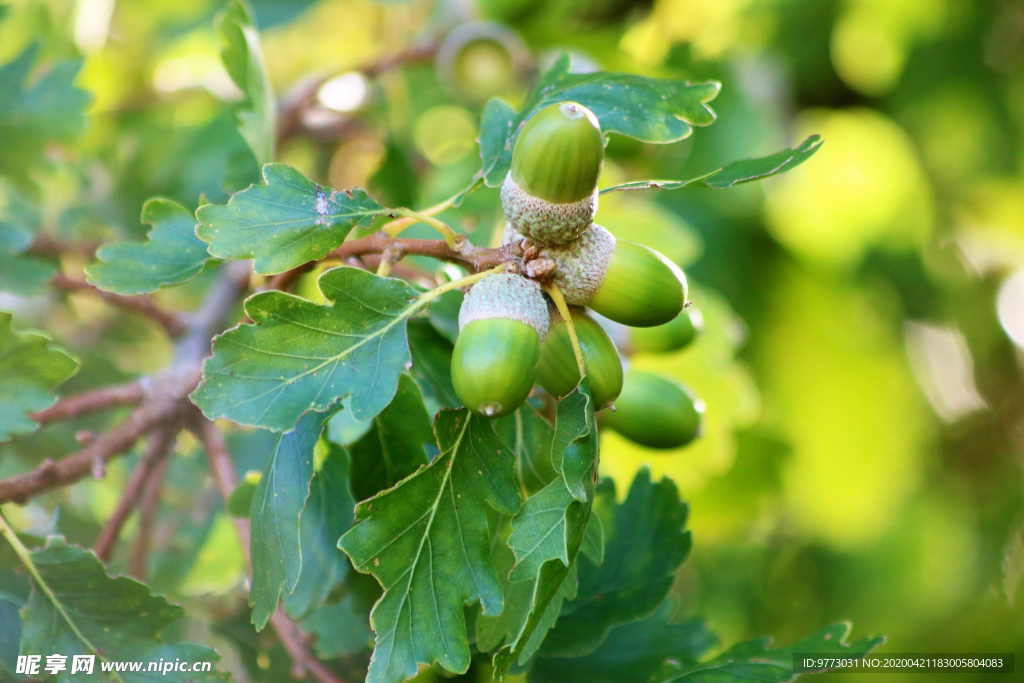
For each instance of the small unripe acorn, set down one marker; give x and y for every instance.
(674, 335)
(656, 412)
(502, 321)
(550, 194)
(557, 371)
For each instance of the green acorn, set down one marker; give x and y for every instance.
(479, 60)
(550, 195)
(502, 321)
(674, 335)
(656, 412)
(557, 371)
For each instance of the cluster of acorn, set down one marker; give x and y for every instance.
(512, 336)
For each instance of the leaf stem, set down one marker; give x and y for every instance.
(395, 227)
(443, 228)
(25, 555)
(563, 310)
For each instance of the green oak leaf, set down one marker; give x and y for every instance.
(395, 445)
(256, 115)
(754, 661)
(172, 254)
(83, 603)
(432, 365)
(20, 221)
(328, 514)
(648, 109)
(300, 356)
(287, 222)
(428, 544)
(34, 114)
(631, 652)
(29, 369)
(642, 556)
(276, 509)
(549, 531)
(341, 629)
(14, 591)
(737, 172)
(530, 437)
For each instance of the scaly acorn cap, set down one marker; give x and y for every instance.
(582, 264)
(656, 412)
(550, 193)
(557, 371)
(504, 295)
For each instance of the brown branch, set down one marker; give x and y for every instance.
(463, 253)
(290, 634)
(54, 247)
(91, 402)
(150, 501)
(171, 323)
(157, 449)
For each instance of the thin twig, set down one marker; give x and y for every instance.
(147, 513)
(171, 323)
(157, 448)
(291, 636)
(91, 402)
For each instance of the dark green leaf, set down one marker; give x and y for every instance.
(575, 443)
(29, 369)
(529, 435)
(631, 652)
(432, 364)
(428, 544)
(20, 220)
(648, 109)
(737, 172)
(340, 629)
(444, 314)
(328, 514)
(276, 507)
(754, 661)
(172, 254)
(14, 590)
(287, 222)
(256, 115)
(648, 545)
(86, 602)
(33, 115)
(300, 357)
(394, 447)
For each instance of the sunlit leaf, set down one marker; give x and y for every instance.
(256, 115)
(428, 544)
(737, 172)
(85, 603)
(755, 661)
(29, 370)
(299, 356)
(287, 222)
(648, 109)
(172, 254)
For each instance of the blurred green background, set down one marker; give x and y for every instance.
(862, 363)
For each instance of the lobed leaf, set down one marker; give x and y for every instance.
(428, 544)
(287, 222)
(755, 661)
(171, 255)
(648, 109)
(737, 172)
(256, 115)
(29, 369)
(299, 356)
(76, 618)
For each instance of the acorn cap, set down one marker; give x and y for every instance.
(582, 264)
(557, 371)
(546, 222)
(559, 154)
(508, 296)
(656, 412)
(494, 365)
(641, 288)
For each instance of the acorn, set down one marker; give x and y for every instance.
(550, 194)
(479, 60)
(502, 322)
(623, 281)
(557, 371)
(656, 412)
(674, 335)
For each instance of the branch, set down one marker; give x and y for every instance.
(91, 402)
(157, 449)
(171, 323)
(223, 469)
(463, 253)
(150, 500)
